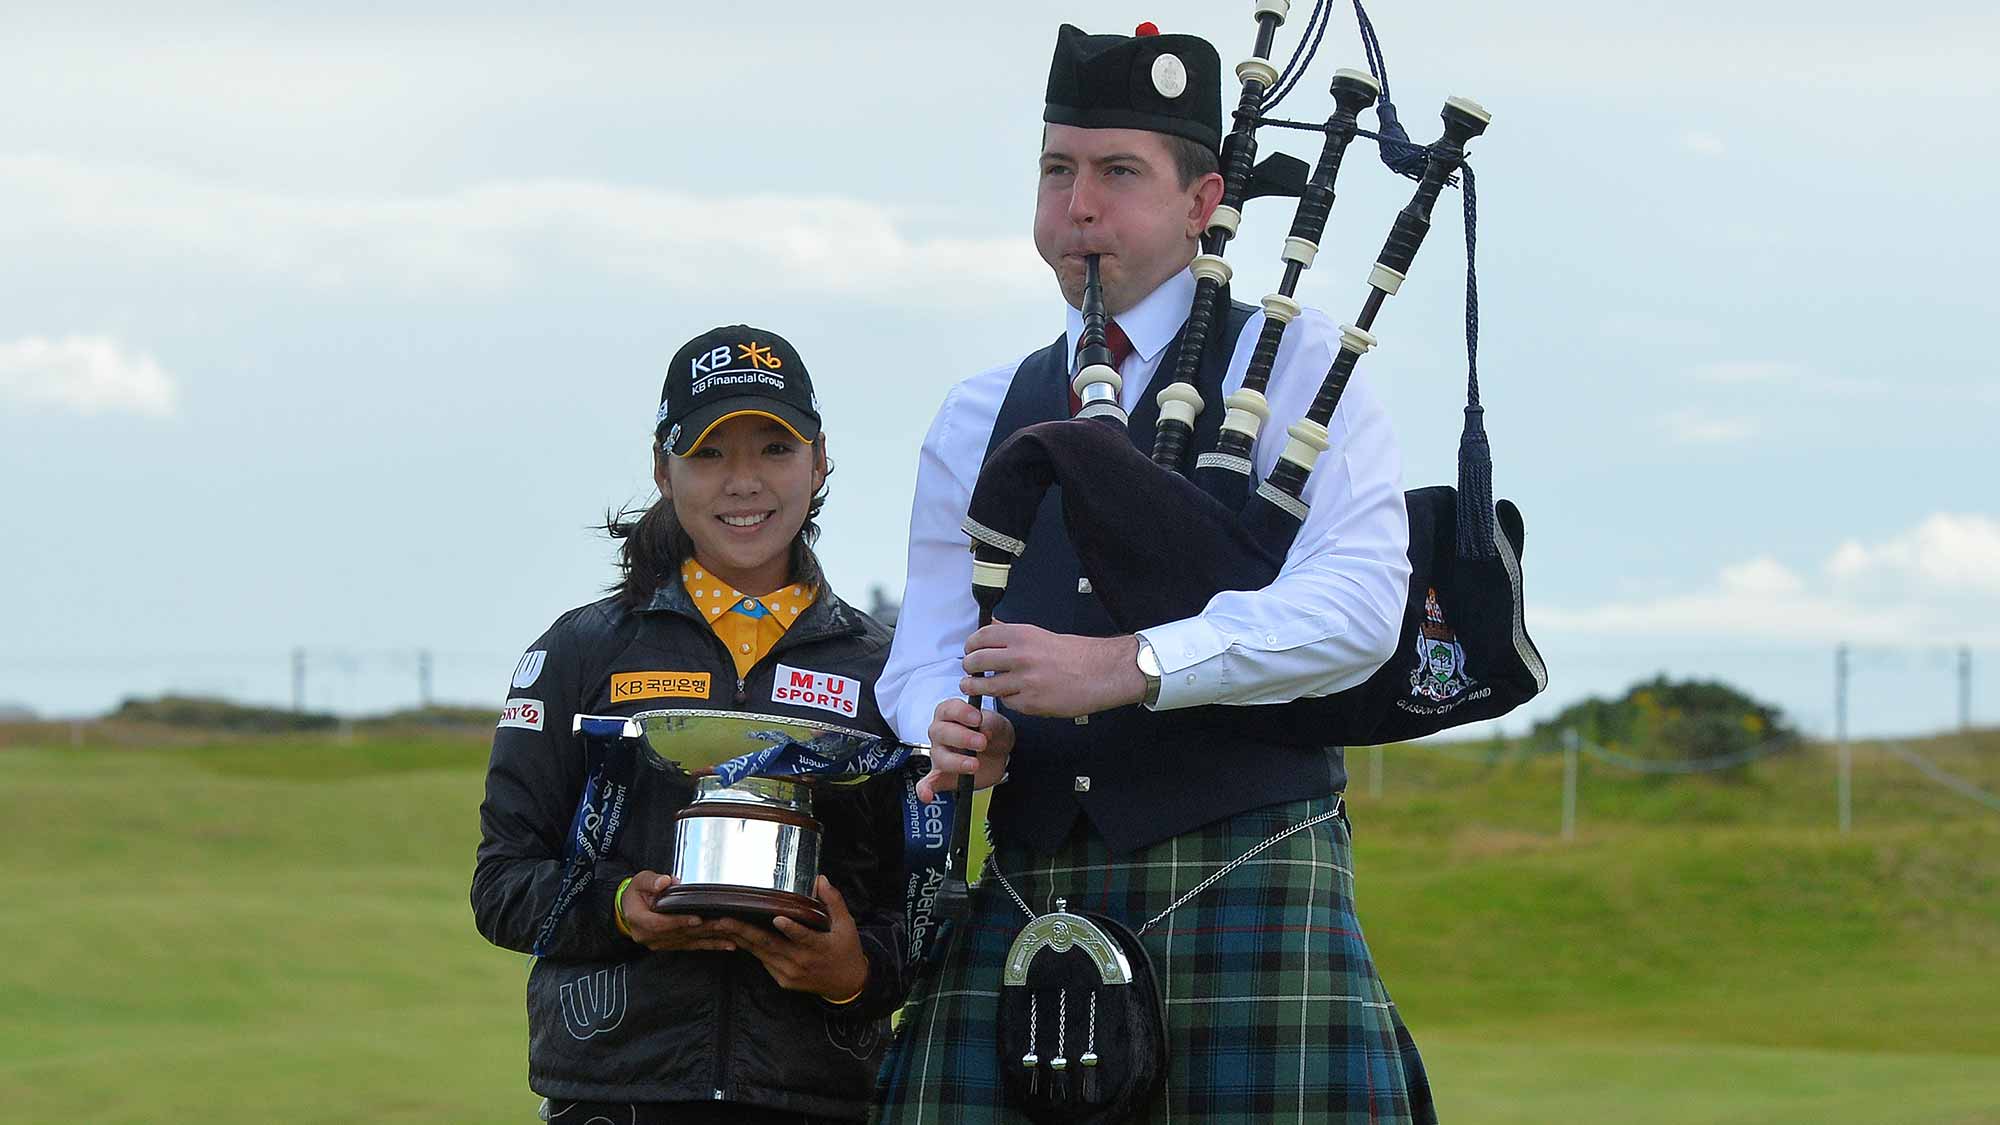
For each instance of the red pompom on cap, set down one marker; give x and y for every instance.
(1147, 28)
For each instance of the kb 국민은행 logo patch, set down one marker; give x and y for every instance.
(627, 687)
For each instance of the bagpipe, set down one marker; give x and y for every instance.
(1157, 544)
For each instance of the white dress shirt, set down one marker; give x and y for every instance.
(1325, 623)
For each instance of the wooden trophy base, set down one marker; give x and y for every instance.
(713, 900)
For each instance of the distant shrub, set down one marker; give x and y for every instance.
(436, 715)
(1685, 720)
(221, 714)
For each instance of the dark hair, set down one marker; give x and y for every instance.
(1192, 159)
(653, 544)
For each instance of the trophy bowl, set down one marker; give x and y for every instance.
(748, 844)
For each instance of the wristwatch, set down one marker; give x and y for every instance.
(1149, 667)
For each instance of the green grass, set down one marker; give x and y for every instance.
(252, 930)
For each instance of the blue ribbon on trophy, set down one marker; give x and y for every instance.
(610, 758)
(829, 754)
(699, 740)
(927, 828)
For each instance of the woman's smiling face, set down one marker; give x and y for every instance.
(742, 496)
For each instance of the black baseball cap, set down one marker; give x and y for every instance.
(728, 372)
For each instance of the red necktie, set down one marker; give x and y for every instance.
(1121, 347)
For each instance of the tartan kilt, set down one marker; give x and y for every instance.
(1274, 1008)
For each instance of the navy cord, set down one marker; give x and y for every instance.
(1471, 291)
(1402, 157)
(1308, 46)
(1475, 453)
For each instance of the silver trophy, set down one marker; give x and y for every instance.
(748, 845)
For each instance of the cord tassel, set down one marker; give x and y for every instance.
(1089, 1059)
(1059, 1066)
(1030, 1060)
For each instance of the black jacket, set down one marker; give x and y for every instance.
(609, 1020)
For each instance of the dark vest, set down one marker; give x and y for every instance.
(1138, 776)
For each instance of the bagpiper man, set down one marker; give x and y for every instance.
(1133, 791)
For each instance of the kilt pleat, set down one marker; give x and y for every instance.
(1275, 1011)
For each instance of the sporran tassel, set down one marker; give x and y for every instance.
(1030, 1060)
(1089, 1059)
(1059, 1066)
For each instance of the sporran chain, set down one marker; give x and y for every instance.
(1339, 806)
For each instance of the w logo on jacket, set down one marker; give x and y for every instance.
(594, 1002)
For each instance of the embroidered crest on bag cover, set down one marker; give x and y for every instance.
(1440, 675)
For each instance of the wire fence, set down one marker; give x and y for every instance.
(1575, 750)
(1937, 775)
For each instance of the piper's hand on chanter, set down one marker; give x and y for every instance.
(665, 932)
(800, 958)
(966, 739)
(1056, 674)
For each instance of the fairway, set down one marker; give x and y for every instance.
(278, 930)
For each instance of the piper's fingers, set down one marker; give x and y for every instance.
(996, 635)
(950, 738)
(1003, 685)
(927, 785)
(979, 661)
(955, 713)
(953, 762)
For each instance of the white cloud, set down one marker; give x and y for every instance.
(1692, 427)
(1702, 144)
(1761, 577)
(86, 374)
(1937, 580)
(1947, 553)
(495, 235)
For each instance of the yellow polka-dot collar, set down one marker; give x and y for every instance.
(713, 597)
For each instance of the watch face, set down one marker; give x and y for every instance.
(1149, 661)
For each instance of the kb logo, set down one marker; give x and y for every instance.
(594, 1002)
(715, 360)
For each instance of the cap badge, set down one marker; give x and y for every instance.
(759, 355)
(1170, 76)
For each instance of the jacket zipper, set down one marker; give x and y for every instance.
(784, 644)
(724, 1033)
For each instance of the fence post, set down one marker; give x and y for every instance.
(1570, 742)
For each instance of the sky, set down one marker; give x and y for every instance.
(338, 330)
